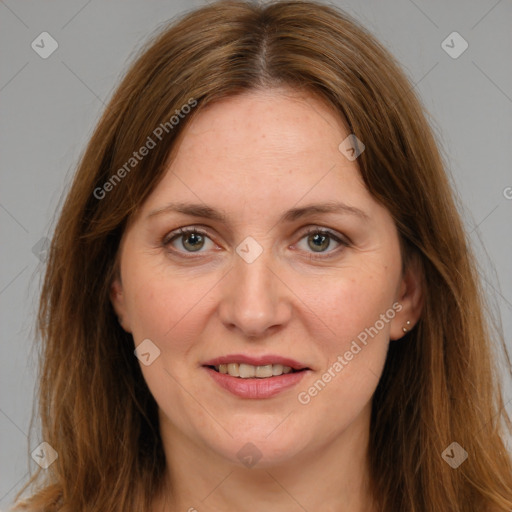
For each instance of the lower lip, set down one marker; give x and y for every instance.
(255, 387)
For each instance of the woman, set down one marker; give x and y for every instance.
(259, 294)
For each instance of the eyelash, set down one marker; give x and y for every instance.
(169, 238)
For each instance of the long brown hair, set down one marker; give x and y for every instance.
(439, 383)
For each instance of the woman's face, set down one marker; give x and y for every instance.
(266, 279)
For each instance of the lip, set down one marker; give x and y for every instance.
(255, 388)
(256, 361)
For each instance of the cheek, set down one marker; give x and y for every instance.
(170, 311)
(358, 312)
(347, 307)
(161, 305)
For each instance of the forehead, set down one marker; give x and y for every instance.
(265, 127)
(262, 149)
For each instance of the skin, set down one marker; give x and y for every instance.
(254, 156)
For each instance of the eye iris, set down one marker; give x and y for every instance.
(318, 238)
(194, 238)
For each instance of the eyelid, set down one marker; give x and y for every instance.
(320, 229)
(183, 231)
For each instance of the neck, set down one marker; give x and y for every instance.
(333, 477)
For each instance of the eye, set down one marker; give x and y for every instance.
(192, 239)
(319, 240)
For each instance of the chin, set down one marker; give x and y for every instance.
(261, 451)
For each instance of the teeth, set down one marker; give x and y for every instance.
(233, 370)
(248, 371)
(277, 369)
(264, 371)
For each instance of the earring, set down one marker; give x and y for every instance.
(405, 328)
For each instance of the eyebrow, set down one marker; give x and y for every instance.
(204, 211)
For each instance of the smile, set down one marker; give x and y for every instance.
(255, 377)
(248, 371)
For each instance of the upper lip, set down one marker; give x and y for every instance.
(256, 361)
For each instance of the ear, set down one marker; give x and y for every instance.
(118, 302)
(410, 297)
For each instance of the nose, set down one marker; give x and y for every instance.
(255, 299)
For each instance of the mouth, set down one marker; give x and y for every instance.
(244, 366)
(249, 371)
(255, 377)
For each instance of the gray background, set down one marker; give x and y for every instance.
(50, 106)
